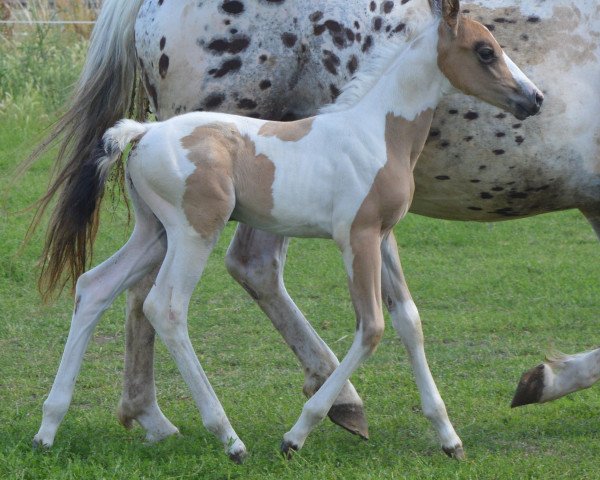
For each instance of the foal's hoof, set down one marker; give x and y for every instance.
(456, 452)
(350, 417)
(288, 449)
(238, 456)
(39, 444)
(530, 387)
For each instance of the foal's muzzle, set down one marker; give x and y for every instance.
(530, 106)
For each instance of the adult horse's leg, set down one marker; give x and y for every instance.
(561, 374)
(138, 400)
(256, 260)
(406, 321)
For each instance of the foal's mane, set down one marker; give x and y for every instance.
(384, 55)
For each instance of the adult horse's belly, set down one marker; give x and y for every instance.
(482, 164)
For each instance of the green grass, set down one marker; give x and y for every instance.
(493, 299)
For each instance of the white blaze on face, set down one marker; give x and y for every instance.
(521, 79)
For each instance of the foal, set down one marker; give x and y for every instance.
(345, 175)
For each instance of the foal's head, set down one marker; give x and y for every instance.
(473, 61)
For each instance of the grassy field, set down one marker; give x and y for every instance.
(493, 299)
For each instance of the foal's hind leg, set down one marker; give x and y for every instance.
(167, 306)
(256, 260)
(407, 323)
(95, 292)
(138, 399)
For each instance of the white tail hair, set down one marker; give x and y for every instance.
(116, 139)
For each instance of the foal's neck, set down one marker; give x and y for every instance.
(411, 85)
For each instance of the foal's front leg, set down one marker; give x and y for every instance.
(406, 321)
(256, 260)
(362, 258)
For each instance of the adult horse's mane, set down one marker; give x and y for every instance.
(384, 55)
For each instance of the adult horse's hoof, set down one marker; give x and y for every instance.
(456, 452)
(350, 417)
(288, 449)
(530, 387)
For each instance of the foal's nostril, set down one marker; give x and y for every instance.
(539, 99)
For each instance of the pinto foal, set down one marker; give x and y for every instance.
(345, 175)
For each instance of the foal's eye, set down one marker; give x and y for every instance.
(486, 54)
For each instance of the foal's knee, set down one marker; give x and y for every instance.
(372, 332)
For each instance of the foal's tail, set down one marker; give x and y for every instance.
(103, 95)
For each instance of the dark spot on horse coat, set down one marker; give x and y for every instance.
(498, 151)
(349, 35)
(247, 104)
(452, 111)
(160, 2)
(491, 27)
(262, 58)
(519, 139)
(335, 91)
(387, 6)
(506, 211)
(220, 46)
(524, 37)
(372, 6)
(468, 138)
(497, 189)
(475, 208)
(333, 26)
(434, 132)
(318, 29)
(330, 61)
(356, 25)
(288, 39)
(475, 181)
(352, 64)
(444, 144)
(500, 115)
(471, 115)
(442, 177)
(233, 7)
(482, 167)
(517, 125)
(163, 42)
(163, 65)
(315, 16)
(399, 28)
(533, 19)
(512, 194)
(264, 84)
(368, 43)
(231, 65)
(486, 195)
(500, 134)
(377, 22)
(213, 100)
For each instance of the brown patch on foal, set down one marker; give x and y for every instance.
(386, 203)
(287, 131)
(228, 172)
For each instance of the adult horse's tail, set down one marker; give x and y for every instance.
(104, 94)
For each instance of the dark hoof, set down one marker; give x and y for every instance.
(288, 449)
(530, 388)
(351, 418)
(238, 457)
(40, 446)
(455, 452)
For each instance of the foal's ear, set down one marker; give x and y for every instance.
(450, 10)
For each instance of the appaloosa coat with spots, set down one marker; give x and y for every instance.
(345, 174)
(283, 59)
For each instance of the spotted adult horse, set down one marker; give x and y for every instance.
(217, 57)
(189, 175)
